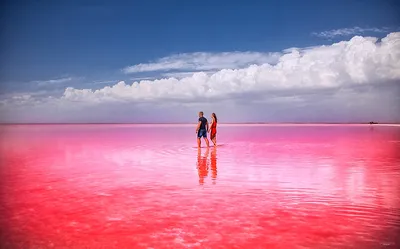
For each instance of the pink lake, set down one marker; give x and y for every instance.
(147, 186)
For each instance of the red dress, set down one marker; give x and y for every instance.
(213, 130)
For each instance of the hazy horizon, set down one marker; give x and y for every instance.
(220, 123)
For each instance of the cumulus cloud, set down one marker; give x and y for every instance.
(349, 32)
(204, 61)
(351, 80)
(361, 60)
(180, 75)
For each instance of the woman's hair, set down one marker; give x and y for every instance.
(215, 117)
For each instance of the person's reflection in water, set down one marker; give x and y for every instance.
(214, 165)
(202, 165)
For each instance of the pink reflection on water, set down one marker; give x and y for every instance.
(124, 186)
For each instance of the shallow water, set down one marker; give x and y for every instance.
(131, 186)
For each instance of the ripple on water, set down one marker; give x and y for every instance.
(118, 188)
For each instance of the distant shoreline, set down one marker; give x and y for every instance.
(221, 124)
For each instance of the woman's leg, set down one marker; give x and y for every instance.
(214, 139)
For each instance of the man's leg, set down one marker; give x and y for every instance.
(206, 139)
(198, 142)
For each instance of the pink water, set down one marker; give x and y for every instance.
(127, 186)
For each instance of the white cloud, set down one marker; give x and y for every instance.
(141, 78)
(361, 60)
(303, 85)
(349, 32)
(53, 81)
(204, 61)
(103, 82)
(180, 75)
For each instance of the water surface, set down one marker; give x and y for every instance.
(132, 186)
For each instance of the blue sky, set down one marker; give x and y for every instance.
(48, 46)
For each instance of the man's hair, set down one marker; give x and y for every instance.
(201, 113)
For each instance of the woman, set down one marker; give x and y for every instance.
(213, 129)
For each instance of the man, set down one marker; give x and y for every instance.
(201, 130)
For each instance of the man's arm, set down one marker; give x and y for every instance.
(207, 126)
(198, 126)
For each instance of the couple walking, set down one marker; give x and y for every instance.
(203, 128)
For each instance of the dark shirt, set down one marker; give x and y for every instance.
(203, 121)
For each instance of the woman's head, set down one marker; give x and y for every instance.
(214, 116)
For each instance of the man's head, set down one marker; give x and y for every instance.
(201, 114)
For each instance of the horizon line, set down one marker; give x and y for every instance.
(181, 123)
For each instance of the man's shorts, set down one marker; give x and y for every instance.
(202, 133)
